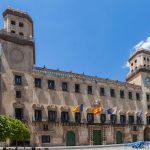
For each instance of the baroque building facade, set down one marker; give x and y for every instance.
(43, 98)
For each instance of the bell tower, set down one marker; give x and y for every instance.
(17, 40)
(139, 68)
(140, 75)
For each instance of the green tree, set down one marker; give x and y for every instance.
(13, 129)
(5, 128)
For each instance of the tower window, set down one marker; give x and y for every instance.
(137, 96)
(112, 92)
(37, 82)
(77, 88)
(64, 86)
(130, 95)
(18, 80)
(21, 24)
(51, 84)
(20, 33)
(89, 89)
(102, 91)
(13, 22)
(121, 94)
(18, 94)
(148, 97)
(12, 31)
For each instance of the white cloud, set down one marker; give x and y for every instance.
(143, 44)
(126, 65)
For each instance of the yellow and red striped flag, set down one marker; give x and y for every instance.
(97, 110)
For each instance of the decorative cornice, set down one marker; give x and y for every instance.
(139, 52)
(17, 13)
(96, 80)
(130, 76)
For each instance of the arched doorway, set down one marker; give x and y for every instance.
(70, 137)
(147, 134)
(119, 137)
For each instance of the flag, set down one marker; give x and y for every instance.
(111, 111)
(97, 110)
(78, 108)
(139, 114)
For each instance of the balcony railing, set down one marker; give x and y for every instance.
(5, 33)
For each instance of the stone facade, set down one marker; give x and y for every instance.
(38, 96)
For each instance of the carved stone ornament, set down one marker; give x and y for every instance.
(18, 105)
(65, 108)
(37, 106)
(52, 107)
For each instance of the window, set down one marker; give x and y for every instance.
(130, 95)
(122, 119)
(121, 94)
(19, 113)
(148, 107)
(37, 82)
(18, 94)
(132, 64)
(148, 97)
(77, 117)
(131, 119)
(77, 88)
(148, 119)
(45, 139)
(64, 117)
(147, 59)
(112, 92)
(102, 91)
(20, 33)
(90, 118)
(89, 90)
(18, 80)
(139, 120)
(113, 119)
(51, 116)
(12, 31)
(137, 96)
(38, 115)
(13, 22)
(144, 65)
(45, 127)
(51, 84)
(21, 24)
(135, 61)
(144, 58)
(64, 86)
(134, 128)
(103, 118)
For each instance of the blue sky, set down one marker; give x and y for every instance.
(91, 36)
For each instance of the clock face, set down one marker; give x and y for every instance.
(147, 81)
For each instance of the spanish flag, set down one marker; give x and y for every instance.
(97, 110)
(78, 108)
